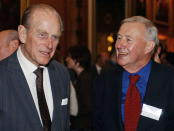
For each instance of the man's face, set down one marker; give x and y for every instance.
(41, 38)
(131, 45)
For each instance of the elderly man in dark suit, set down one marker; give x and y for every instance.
(140, 96)
(34, 90)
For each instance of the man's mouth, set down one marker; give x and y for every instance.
(45, 53)
(122, 53)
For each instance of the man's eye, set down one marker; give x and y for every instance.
(118, 37)
(129, 40)
(55, 38)
(43, 35)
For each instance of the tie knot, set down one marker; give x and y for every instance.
(39, 71)
(134, 78)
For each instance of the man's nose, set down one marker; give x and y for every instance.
(50, 43)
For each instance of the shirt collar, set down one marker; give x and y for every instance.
(143, 72)
(25, 63)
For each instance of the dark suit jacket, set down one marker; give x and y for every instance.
(17, 108)
(94, 72)
(160, 94)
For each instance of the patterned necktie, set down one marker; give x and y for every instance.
(44, 112)
(132, 105)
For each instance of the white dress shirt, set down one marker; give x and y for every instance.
(28, 68)
(98, 69)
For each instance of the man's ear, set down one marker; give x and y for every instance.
(22, 33)
(150, 45)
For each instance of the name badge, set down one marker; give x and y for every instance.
(151, 112)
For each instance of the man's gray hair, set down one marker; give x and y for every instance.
(151, 30)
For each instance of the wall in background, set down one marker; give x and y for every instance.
(9, 14)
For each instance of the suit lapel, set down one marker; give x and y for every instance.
(119, 85)
(150, 98)
(116, 97)
(21, 89)
(56, 93)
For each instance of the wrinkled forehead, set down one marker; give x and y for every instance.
(132, 28)
(40, 19)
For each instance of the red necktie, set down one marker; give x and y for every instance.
(132, 105)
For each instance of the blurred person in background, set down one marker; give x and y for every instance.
(162, 56)
(101, 60)
(9, 42)
(79, 59)
(112, 62)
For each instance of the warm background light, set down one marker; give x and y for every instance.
(110, 39)
(109, 48)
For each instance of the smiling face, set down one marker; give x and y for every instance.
(41, 38)
(132, 48)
